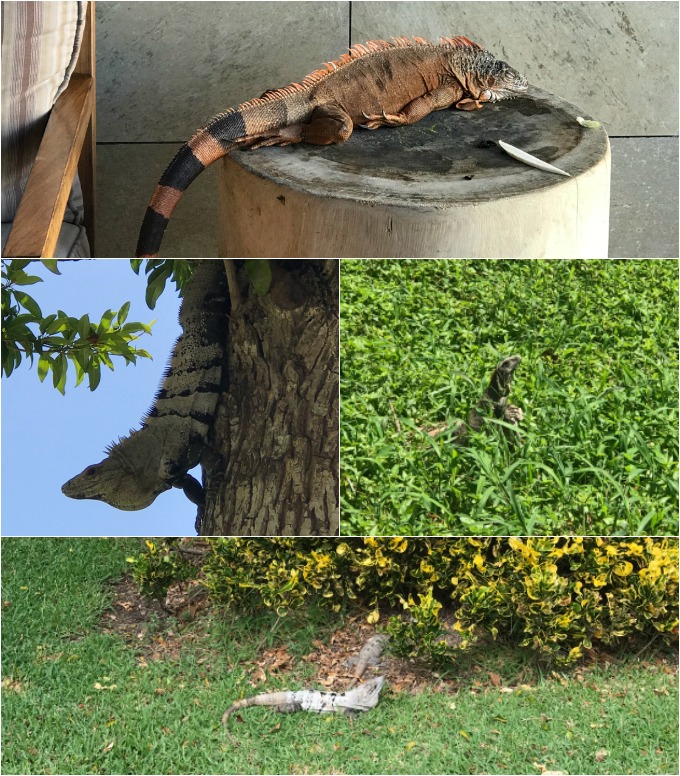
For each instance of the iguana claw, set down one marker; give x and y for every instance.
(377, 120)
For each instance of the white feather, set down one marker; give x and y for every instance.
(532, 161)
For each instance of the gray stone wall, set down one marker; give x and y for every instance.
(612, 59)
(165, 68)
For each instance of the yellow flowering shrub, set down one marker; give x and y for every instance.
(555, 596)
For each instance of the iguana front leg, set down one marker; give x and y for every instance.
(328, 124)
(417, 109)
(192, 488)
(513, 414)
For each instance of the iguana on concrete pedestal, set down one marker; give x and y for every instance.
(374, 85)
(361, 698)
(174, 432)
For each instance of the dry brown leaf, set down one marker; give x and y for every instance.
(11, 684)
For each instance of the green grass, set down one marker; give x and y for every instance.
(598, 384)
(163, 715)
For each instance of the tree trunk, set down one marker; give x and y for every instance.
(274, 464)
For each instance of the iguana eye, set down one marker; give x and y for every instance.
(90, 470)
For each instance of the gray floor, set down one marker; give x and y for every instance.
(643, 222)
(644, 197)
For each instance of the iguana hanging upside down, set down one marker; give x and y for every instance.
(174, 433)
(373, 85)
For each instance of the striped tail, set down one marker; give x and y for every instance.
(224, 133)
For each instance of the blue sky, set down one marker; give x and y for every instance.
(48, 438)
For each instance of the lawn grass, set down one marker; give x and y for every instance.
(597, 451)
(76, 700)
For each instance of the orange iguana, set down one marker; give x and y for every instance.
(373, 85)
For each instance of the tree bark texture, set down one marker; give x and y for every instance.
(273, 467)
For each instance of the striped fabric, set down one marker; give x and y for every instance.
(40, 44)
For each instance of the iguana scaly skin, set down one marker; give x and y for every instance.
(369, 655)
(374, 85)
(174, 433)
(361, 698)
(494, 401)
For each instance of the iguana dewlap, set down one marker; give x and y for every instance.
(373, 85)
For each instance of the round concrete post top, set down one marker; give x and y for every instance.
(448, 158)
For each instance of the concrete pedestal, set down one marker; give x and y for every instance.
(439, 188)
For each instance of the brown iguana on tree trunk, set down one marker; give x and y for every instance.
(361, 698)
(174, 433)
(251, 393)
(373, 85)
(494, 402)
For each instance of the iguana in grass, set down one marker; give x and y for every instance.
(361, 698)
(373, 85)
(174, 433)
(494, 402)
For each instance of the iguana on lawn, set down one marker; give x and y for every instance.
(494, 401)
(174, 432)
(373, 85)
(361, 698)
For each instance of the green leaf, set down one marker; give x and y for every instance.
(51, 265)
(260, 273)
(81, 356)
(43, 367)
(46, 322)
(10, 360)
(80, 372)
(53, 324)
(94, 375)
(122, 314)
(83, 326)
(22, 279)
(156, 285)
(59, 372)
(16, 265)
(29, 303)
(105, 323)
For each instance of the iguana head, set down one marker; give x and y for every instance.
(364, 696)
(502, 82)
(108, 482)
(128, 478)
(488, 79)
(504, 372)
